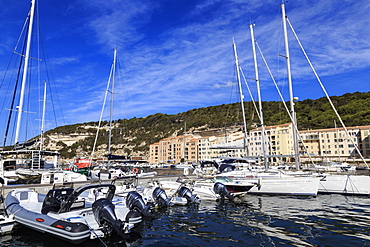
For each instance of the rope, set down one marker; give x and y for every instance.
(92, 230)
(326, 94)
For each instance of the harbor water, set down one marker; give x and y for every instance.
(325, 220)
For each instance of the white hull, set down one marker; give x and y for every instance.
(345, 184)
(147, 174)
(300, 186)
(6, 224)
(276, 182)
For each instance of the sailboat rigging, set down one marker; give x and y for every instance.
(246, 149)
(26, 158)
(265, 161)
(109, 90)
(290, 84)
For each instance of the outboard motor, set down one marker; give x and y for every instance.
(220, 188)
(160, 197)
(186, 193)
(134, 201)
(105, 216)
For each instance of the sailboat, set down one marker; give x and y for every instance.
(344, 184)
(329, 183)
(269, 182)
(116, 166)
(26, 159)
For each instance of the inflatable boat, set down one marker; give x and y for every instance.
(75, 215)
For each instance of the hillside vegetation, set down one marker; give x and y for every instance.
(133, 136)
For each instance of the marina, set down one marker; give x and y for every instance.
(224, 175)
(325, 220)
(254, 219)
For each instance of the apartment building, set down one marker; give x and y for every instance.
(172, 149)
(365, 140)
(191, 150)
(204, 147)
(278, 140)
(335, 143)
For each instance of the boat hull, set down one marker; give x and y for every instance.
(345, 184)
(6, 224)
(73, 232)
(300, 186)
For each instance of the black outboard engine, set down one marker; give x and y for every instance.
(220, 188)
(134, 201)
(160, 197)
(186, 193)
(105, 216)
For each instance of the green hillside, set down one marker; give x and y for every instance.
(138, 133)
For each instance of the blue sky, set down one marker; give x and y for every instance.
(176, 55)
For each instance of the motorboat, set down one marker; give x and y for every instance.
(76, 215)
(6, 224)
(149, 174)
(114, 171)
(107, 173)
(6, 221)
(168, 196)
(50, 176)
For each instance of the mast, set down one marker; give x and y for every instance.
(43, 117)
(337, 132)
(259, 98)
(289, 75)
(111, 73)
(185, 141)
(25, 68)
(112, 100)
(241, 99)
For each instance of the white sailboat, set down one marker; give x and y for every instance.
(117, 166)
(275, 183)
(9, 165)
(329, 183)
(28, 159)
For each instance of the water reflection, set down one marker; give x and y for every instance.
(330, 220)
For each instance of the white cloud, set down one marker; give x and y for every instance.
(188, 62)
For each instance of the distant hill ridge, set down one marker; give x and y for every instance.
(132, 137)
